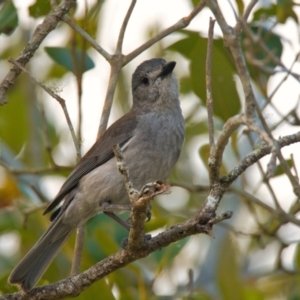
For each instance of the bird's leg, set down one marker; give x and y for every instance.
(118, 220)
(108, 209)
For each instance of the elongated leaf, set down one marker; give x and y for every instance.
(64, 57)
(280, 171)
(39, 8)
(225, 96)
(228, 278)
(8, 18)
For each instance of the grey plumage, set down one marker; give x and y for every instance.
(150, 135)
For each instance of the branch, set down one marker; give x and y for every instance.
(60, 100)
(123, 28)
(215, 159)
(259, 41)
(112, 83)
(257, 154)
(232, 41)
(213, 174)
(249, 9)
(182, 23)
(73, 286)
(87, 37)
(35, 171)
(276, 213)
(50, 22)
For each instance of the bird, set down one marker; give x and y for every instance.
(150, 136)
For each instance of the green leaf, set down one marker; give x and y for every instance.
(240, 6)
(226, 102)
(271, 40)
(285, 10)
(280, 171)
(252, 293)
(265, 11)
(93, 291)
(282, 11)
(185, 85)
(195, 2)
(8, 18)
(65, 57)
(186, 45)
(274, 45)
(228, 277)
(39, 8)
(225, 96)
(166, 255)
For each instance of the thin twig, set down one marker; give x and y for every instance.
(229, 127)
(47, 137)
(294, 166)
(260, 42)
(261, 151)
(191, 187)
(78, 73)
(276, 150)
(283, 79)
(40, 195)
(265, 177)
(113, 78)
(32, 210)
(87, 37)
(280, 214)
(16, 171)
(232, 41)
(60, 100)
(213, 168)
(182, 23)
(248, 9)
(79, 243)
(123, 28)
(209, 100)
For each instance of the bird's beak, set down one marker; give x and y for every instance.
(167, 69)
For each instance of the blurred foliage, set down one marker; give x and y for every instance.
(220, 267)
(193, 47)
(39, 9)
(74, 61)
(8, 17)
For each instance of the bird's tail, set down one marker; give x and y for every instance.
(34, 264)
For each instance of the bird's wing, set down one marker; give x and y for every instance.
(118, 133)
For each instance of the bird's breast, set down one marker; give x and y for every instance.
(153, 151)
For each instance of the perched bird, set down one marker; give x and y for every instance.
(150, 136)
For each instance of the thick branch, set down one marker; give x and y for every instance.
(73, 286)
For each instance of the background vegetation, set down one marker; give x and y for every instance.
(255, 254)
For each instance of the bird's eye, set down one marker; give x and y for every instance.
(145, 80)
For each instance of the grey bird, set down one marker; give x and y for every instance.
(150, 135)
